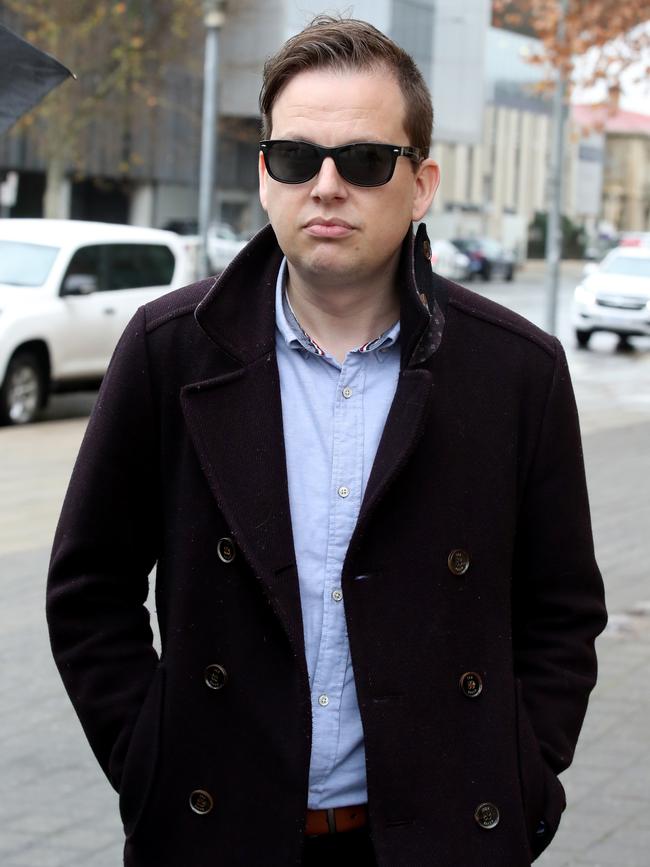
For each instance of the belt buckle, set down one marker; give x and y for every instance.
(331, 820)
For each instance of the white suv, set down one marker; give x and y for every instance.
(614, 296)
(67, 290)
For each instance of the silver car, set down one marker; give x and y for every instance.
(614, 296)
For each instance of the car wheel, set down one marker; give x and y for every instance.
(487, 273)
(510, 274)
(582, 338)
(22, 392)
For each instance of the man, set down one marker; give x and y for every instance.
(363, 489)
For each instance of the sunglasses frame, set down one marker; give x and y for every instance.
(395, 150)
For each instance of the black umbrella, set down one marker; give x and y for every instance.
(26, 76)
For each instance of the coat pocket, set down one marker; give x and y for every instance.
(141, 758)
(541, 791)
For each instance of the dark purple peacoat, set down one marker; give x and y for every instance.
(471, 594)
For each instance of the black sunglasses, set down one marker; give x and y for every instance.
(367, 164)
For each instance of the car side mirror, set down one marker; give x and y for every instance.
(589, 269)
(79, 284)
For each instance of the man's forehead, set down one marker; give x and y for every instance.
(359, 99)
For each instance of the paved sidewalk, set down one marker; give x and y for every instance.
(56, 808)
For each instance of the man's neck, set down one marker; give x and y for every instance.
(341, 318)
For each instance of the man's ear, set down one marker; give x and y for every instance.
(263, 179)
(427, 178)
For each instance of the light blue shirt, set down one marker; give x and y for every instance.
(333, 418)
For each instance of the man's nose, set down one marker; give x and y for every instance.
(329, 183)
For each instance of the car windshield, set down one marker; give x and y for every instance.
(24, 264)
(630, 266)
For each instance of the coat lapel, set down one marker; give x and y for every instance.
(235, 423)
(402, 432)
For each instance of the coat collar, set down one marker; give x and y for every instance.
(238, 312)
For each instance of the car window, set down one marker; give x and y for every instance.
(24, 264)
(628, 265)
(88, 261)
(131, 266)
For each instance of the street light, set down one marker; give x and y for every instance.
(213, 18)
(554, 218)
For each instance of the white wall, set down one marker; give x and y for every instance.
(460, 31)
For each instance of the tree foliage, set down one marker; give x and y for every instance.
(118, 50)
(614, 36)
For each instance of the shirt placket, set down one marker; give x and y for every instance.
(345, 502)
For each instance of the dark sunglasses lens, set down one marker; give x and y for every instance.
(292, 162)
(367, 165)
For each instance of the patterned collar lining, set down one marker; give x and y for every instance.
(301, 338)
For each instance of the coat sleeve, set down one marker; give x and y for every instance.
(104, 549)
(558, 596)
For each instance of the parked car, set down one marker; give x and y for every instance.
(488, 258)
(614, 296)
(223, 245)
(67, 290)
(448, 261)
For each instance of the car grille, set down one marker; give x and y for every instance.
(622, 302)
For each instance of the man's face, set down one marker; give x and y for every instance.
(336, 108)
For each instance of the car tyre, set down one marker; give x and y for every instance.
(582, 338)
(510, 274)
(23, 390)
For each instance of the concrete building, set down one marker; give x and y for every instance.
(626, 184)
(496, 186)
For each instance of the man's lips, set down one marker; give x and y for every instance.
(319, 227)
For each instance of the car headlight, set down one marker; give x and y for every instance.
(583, 294)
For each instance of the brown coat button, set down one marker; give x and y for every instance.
(458, 561)
(201, 801)
(226, 550)
(487, 816)
(215, 676)
(471, 684)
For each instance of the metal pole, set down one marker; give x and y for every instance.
(213, 19)
(553, 223)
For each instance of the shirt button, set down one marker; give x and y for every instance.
(347, 391)
(344, 492)
(323, 700)
(337, 595)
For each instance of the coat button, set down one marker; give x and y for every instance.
(226, 550)
(471, 684)
(201, 801)
(458, 561)
(215, 676)
(487, 816)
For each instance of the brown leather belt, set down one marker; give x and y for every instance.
(336, 819)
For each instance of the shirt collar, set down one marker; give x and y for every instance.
(296, 337)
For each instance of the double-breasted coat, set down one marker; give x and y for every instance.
(472, 598)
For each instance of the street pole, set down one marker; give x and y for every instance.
(213, 19)
(553, 222)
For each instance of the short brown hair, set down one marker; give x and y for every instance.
(349, 44)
